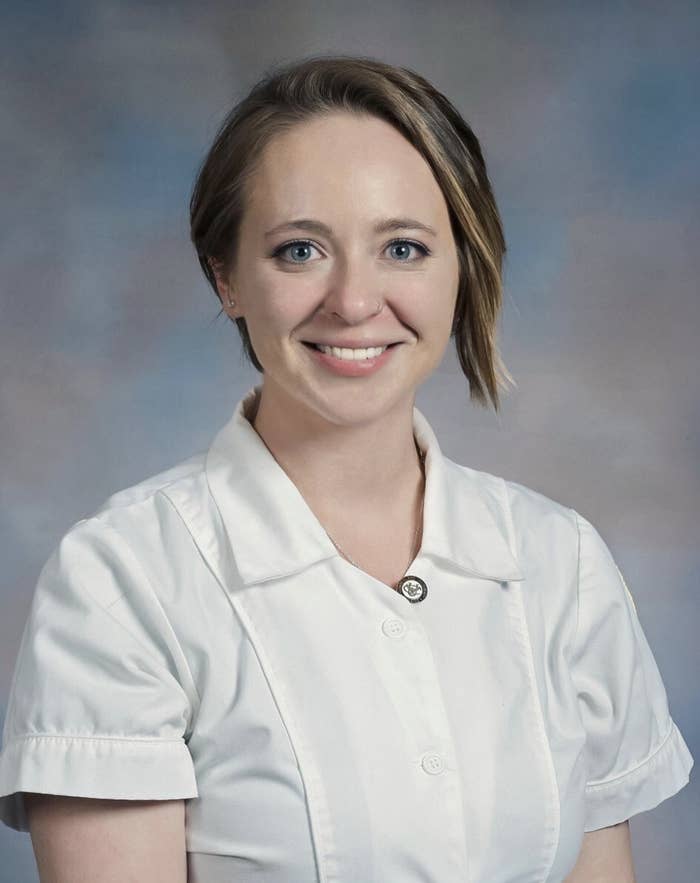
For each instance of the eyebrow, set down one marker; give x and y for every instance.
(385, 225)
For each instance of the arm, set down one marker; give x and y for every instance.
(107, 841)
(605, 857)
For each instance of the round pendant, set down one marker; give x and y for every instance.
(412, 588)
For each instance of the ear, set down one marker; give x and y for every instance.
(223, 284)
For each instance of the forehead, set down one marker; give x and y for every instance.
(344, 161)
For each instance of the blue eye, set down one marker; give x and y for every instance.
(407, 242)
(306, 244)
(298, 243)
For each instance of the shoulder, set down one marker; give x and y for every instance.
(528, 508)
(181, 475)
(142, 527)
(156, 495)
(546, 531)
(541, 528)
(533, 509)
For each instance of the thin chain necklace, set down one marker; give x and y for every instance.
(421, 457)
(410, 593)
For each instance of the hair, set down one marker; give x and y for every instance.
(319, 85)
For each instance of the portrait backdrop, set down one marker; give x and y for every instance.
(115, 361)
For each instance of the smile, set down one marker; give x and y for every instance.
(351, 363)
(349, 353)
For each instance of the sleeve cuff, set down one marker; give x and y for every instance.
(101, 767)
(659, 777)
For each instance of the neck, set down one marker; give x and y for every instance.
(373, 467)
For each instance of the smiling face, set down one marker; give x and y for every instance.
(349, 174)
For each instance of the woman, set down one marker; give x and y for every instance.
(322, 650)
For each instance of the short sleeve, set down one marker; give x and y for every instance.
(96, 705)
(635, 754)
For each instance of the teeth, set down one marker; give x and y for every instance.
(350, 354)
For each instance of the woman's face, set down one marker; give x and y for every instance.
(350, 174)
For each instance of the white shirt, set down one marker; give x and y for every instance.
(200, 637)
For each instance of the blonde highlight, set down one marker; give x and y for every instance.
(317, 85)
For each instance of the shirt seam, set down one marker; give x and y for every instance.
(144, 576)
(633, 769)
(510, 524)
(578, 575)
(78, 737)
(102, 509)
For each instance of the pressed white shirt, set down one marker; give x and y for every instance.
(199, 636)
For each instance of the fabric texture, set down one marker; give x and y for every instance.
(97, 701)
(200, 637)
(622, 699)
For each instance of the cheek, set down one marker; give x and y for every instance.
(447, 288)
(426, 297)
(281, 304)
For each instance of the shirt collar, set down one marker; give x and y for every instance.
(274, 533)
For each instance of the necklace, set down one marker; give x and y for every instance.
(412, 587)
(398, 587)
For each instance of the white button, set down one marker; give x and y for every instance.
(393, 628)
(433, 764)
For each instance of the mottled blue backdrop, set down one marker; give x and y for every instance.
(114, 366)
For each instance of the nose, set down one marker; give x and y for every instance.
(353, 291)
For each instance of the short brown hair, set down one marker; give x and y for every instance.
(316, 85)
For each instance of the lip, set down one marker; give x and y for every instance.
(354, 367)
(353, 344)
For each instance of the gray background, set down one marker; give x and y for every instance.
(113, 365)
